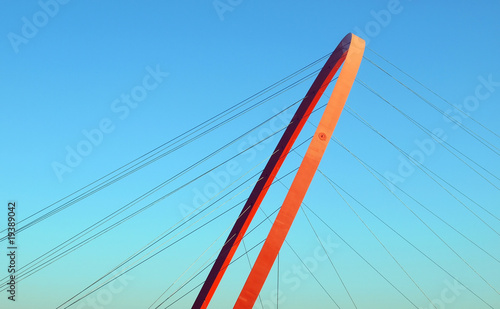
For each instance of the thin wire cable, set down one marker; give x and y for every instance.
(127, 206)
(359, 254)
(288, 244)
(406, 206)
(195, 261)
(233, 261)
(418, 203)
(250, 264)
(158, 252)
(379, 241)
(429, 228)
(330, 259)
(304, 264)
(437, 139)
(210, 259)
(311, 113)
(115, 213)
(323, 247)
(36, 268)
(383, 246)
(424, 169)
(172, 229)
(157, 239)
(436, 94)
(213, 261)
(474, 135)
(349, 110)
(324, 289)
(211, 245)
(299, 100)
(404, 238)
(215, 242)
(165, 248)
(183, 135)
(152, 158)
(168, 181)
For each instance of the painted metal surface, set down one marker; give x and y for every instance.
(349, 52)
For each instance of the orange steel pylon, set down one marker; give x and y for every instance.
(349, 52)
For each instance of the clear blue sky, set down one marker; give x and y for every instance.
(87, 87)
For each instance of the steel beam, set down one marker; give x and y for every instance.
(349, 52)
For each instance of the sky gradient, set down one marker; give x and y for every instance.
(89, 87)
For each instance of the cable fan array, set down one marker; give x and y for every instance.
(337, 287)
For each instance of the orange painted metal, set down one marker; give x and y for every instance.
(349, 53)
(303, 178)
